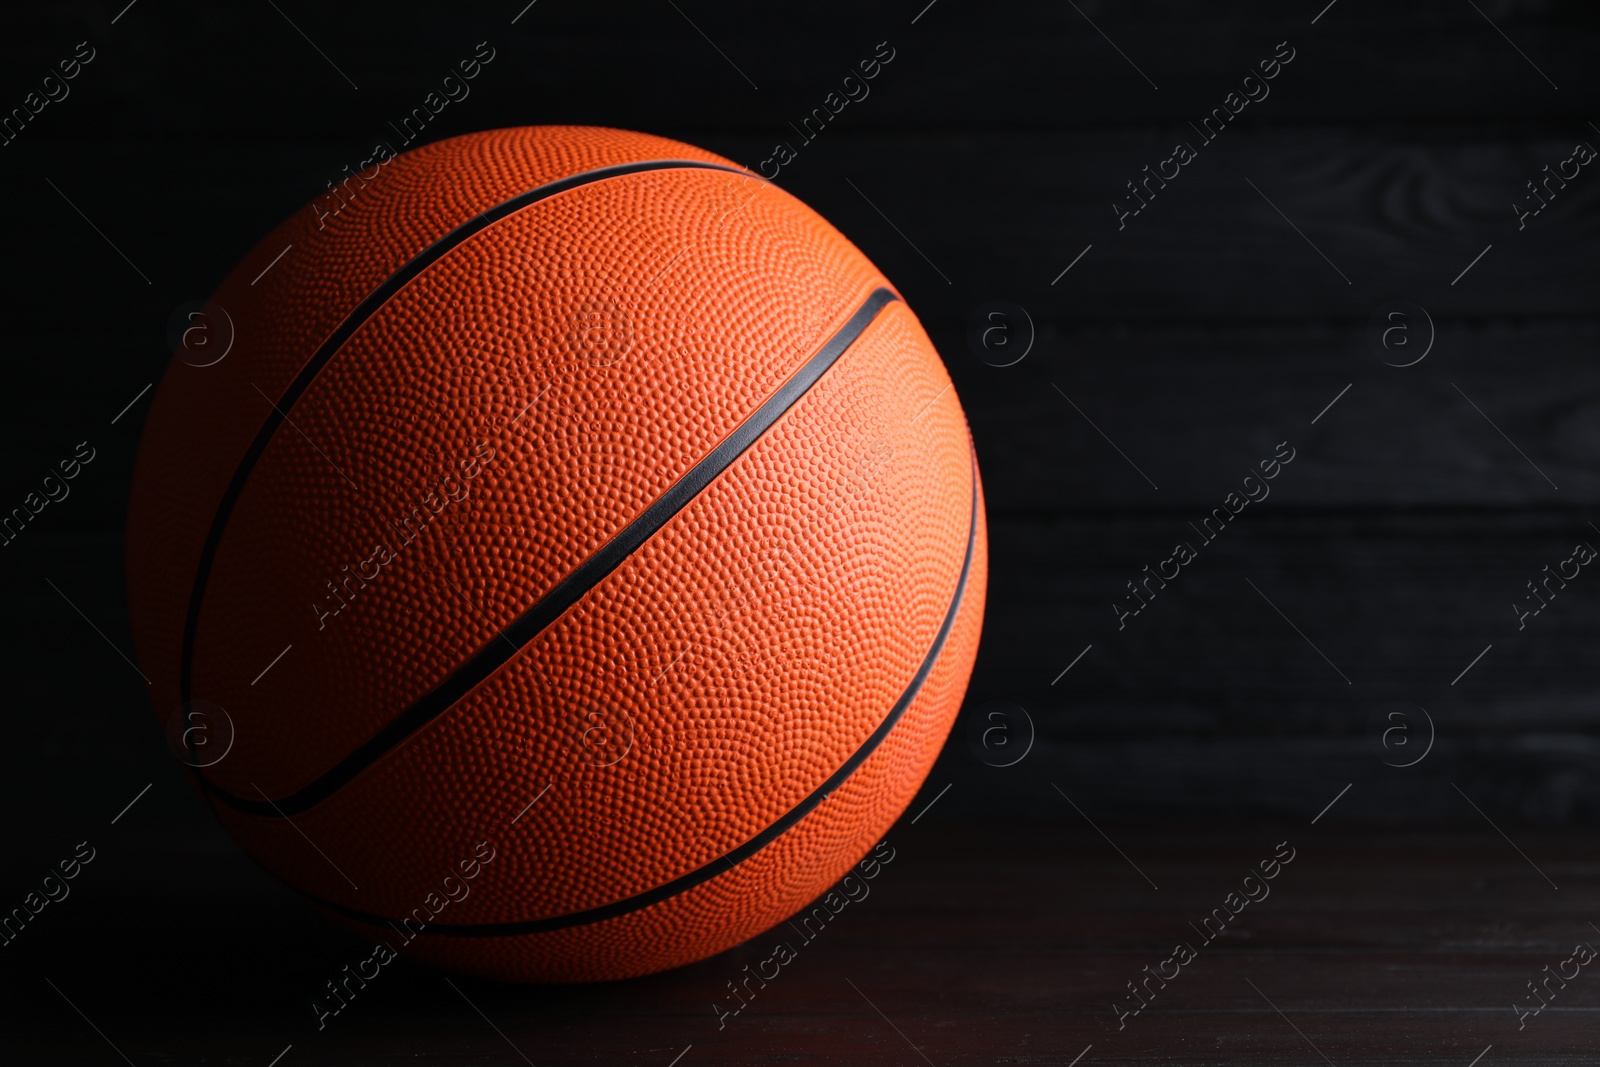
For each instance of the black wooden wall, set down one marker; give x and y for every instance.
(1308, 647)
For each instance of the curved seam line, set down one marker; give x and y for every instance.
(586, 576)
(732, 859)
(358, 317)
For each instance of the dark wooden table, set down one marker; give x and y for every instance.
(1006, 941)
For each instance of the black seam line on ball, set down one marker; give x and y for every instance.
(567, 592)
(353, 322)
(750, 847)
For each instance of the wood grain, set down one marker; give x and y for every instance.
(1001, 943)
(957, 66)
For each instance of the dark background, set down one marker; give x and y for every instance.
(1248, 695)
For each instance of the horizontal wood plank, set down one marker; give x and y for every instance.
(722, 66)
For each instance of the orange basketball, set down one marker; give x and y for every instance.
(562, 552)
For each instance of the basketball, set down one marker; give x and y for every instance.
(557, 554)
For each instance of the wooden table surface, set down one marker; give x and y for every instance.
(980, 942)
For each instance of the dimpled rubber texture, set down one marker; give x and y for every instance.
(485, 431)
